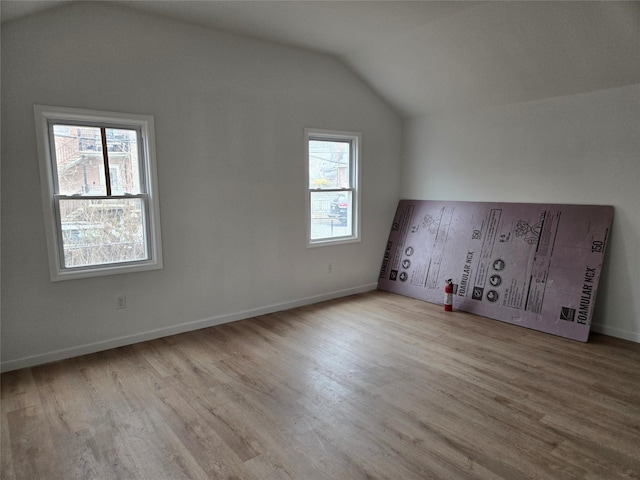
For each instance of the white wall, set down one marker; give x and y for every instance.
(229, 115)
(582, 149)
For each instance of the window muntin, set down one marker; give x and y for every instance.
(332, 175)
(99, 192)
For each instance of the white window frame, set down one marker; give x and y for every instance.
(355, 140)
(144, 124)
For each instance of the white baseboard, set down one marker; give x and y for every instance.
(616, 332)
(71, 352)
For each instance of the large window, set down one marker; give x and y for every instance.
(99, 192)
(333, 195)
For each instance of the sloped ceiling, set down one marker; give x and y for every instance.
(425, 57)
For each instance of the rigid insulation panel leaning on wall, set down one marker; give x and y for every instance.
(534, 265)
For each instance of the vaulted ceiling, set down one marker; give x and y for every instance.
(428, 56)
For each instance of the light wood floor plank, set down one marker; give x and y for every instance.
(373, 386)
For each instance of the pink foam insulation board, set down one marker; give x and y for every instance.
(533, 265)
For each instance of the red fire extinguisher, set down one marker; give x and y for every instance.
(448, 296)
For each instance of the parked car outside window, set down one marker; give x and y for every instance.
(338, 208)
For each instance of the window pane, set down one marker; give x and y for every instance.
(102, 231)
(331, 214)
(329, 164)
(79, 161)
(122, 148)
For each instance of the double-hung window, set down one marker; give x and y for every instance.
(333, 196)
(99, 192)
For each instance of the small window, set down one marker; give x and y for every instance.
(333, 195)
(98, 177)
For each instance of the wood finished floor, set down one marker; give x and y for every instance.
(370, 386)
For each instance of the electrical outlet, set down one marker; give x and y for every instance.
(330, 268)
(121, 301)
